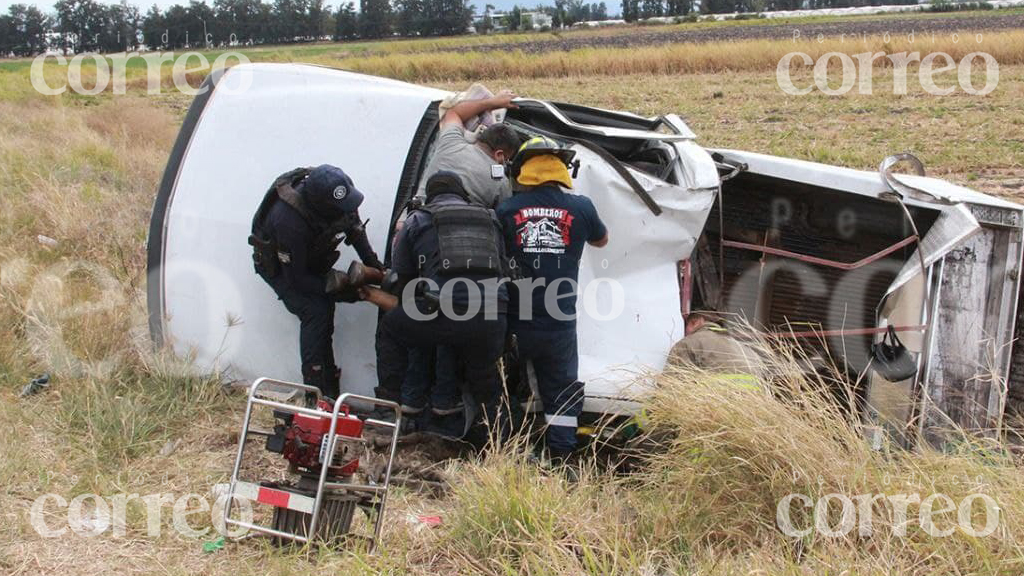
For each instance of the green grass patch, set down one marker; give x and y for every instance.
(134, 413)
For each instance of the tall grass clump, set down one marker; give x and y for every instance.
(509, 516)
(134, 413)
(719, 459)
(734, 453)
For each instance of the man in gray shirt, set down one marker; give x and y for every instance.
(472, 160)
(433, 377)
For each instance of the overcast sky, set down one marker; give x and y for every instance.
(47, 5)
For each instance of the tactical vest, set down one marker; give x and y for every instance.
(469, 240)
(267, 255)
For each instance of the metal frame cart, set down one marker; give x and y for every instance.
(330, 496)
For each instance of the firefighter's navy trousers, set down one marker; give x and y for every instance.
(555, 360)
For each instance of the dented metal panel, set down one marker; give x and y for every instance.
(973, 331)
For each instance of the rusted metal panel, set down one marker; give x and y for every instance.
(705, 275)
(974, 324)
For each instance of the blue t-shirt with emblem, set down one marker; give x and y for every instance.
(546, 230)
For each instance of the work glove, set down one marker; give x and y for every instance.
(338, 286)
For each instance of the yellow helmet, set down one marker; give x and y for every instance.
(538, 146)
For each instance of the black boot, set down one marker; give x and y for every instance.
(326, 381)
(332, 383)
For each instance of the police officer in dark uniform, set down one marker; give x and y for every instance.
(303, 218)
(449, 259)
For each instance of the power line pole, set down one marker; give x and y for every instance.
(206, 37)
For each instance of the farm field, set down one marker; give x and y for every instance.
(922, 25)
(118, 418)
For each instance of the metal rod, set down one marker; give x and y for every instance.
(374, 422)
(929, 349)
(917, 384)
(721, 244)
(303, 387)
(356, 487)
(271, 531)
(821, 261)
(238, 455)
(849, 332)
(291, 408)
(387, 477)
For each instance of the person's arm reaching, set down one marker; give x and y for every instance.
(462, 112)
(379, 298)
(598, 231)
(356, 237)
(403, 264)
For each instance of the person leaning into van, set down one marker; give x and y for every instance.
(295, 236)
(449, 260)
(429, 388)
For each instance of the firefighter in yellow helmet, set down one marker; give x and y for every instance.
(546, 228)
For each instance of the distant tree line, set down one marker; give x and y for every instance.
(569, 12)
(563, 14)
(78, 26)
(23, 30)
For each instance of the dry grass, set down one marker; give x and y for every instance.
(427, 60)
(84, 170)
(735, 453)
(1006, 47)
(84, 177)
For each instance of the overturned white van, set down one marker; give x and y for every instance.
(828, 255)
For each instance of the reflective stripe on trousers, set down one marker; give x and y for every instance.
(560, 420)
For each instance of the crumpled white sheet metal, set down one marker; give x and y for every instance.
(641, 257)
(954, 224)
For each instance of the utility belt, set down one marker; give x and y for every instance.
(265, 258)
